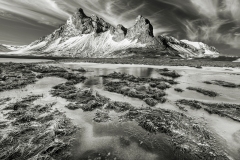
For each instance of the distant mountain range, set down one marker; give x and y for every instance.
(10, 48)
(3, 48)
(91, 36)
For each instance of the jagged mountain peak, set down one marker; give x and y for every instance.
(80, 13)
(142, 30)
(80, 23)
(144, 25)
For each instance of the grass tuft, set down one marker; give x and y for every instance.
(204, 91)
(36, 132)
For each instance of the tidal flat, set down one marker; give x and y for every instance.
(59, 110)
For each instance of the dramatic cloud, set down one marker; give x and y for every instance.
(221, 21)
(216, 22)
(232, 7)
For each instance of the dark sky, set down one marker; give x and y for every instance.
(215, 22)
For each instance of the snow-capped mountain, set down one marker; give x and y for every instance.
(84, 36)
(91, 36)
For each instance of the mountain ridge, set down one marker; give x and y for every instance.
(91, 36)
(3, 48)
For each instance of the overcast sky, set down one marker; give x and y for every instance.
(215, 22)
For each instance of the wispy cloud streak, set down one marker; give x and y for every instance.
(42, 11)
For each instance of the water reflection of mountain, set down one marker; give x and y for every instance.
(138, 72)
(95, 80)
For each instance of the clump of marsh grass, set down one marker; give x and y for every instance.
(131, 78)
(118, 106)
(223, 83)
(150, 90)
(79, 70)
(178, 89)
(198, 67)
(23, 103)
(50, 71)
(192, 103)
(168, 73)
(36, 132)
(204, 91)
(221, 109)
(189, 138)
(72, 106)
(4, 100)
(163, 86)
(86, 99)
(101, 116)
(15, 76)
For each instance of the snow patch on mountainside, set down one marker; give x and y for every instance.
(184, 52)
(201, 46)
(35, 47)
(89, 45)
(4, 48)
(238, 60)
(13, 47)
